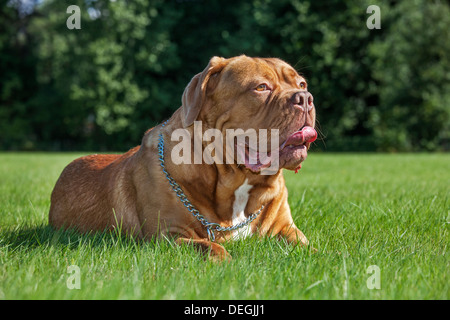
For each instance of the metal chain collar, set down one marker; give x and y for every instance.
(211, 227)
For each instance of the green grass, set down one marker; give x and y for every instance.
(358, 210)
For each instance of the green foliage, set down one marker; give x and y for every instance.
(17, 77)
(102, 86)
(412, 69)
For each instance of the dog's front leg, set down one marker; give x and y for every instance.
(284, 226)
(293, 235)
(212, 250)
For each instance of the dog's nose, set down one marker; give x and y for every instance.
(303, 100)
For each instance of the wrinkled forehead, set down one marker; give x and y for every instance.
(245, 69)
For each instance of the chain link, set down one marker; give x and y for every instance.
(210, 226)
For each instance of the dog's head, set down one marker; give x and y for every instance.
(254, 93)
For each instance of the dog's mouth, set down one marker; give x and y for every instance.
(289, 155)
(295, 149)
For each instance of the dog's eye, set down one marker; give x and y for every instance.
(262, 87)
(303, 85)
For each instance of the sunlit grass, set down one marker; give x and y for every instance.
(358, 210)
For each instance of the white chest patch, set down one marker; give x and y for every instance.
(240, 202)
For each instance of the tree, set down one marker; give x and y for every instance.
(412, 71)
(100, 87)
(17, 76)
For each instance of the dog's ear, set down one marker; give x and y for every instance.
(195, 93)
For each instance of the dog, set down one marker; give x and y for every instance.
(148, 194)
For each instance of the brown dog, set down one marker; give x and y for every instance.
(99, 192)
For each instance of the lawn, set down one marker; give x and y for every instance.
(380, 223)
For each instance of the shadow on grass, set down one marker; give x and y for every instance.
(41, 236)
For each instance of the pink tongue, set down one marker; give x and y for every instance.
(307, 134)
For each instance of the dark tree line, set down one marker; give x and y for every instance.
(100, 87)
